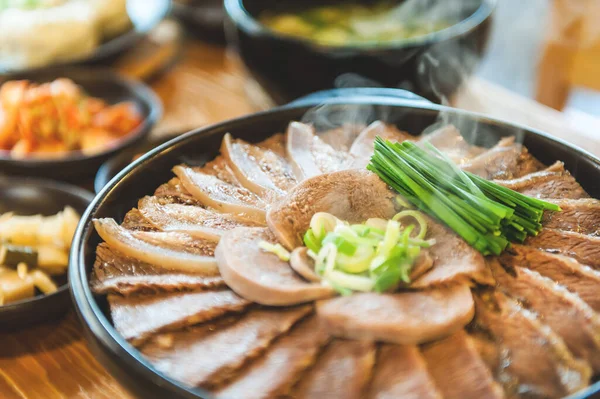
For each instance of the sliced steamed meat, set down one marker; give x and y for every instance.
(209, 355)
(135, 220)
(351, 195)
(152, 249)
(222, 196)
(261, 276)
(258, 169)
(457, 369)
(584, 248)
(173, 192)
(118, 273)
(577, 215)
(577, 278)
(363, 147)
(220, 169)
(534, 361)
(401, 372)
(453, 260)
(138, 317)
(553, 182)
(405, 318)
(309, 155)
(274, 374)
(304, 265)
(341, 138)
(341, 371)
(449, 140)
(567, 314)
(193, 220)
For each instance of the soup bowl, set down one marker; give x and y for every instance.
(408, 112)
(287, 67)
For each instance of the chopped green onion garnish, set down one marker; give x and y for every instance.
(276, 249)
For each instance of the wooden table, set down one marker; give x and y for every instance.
(53, 361)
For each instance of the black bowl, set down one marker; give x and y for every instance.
(202, 18)
(432, 66)
(144, 175)
(30, 197)
(99, 83)
(144, 15)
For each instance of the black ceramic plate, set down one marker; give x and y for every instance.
(31, 197)
(99, 83)
(144, 16)
(144, 175)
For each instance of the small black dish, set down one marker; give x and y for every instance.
(113, 88)
(203, 19)
(113, 166)
(433, 66)
(46, 197)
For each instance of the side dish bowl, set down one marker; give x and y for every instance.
(195, 148)
(289, 67)
(100, 83)
(31, 197)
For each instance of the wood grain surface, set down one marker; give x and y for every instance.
(205, 86)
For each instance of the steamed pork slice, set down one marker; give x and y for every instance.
(506, 160)
(449, 140)
(304, 265)
(343, 371)
(209, 355)
(173, 192)
(567, 314)
(351, 195)
(341, 138)
(193, 220)
(258, 169)
(453, 260)
(274, 374)
(405, 318)
(457, 369)
(135, 220)
(261, 276)
(171, 251)
(583, 248)
(401, 372)
(138, 317)
(363, 147)
(219, 168)
(577, 215)
(309, 155)
(553, 182)
(577, 278)
(115, 272)
(222, 196)
(534, 360)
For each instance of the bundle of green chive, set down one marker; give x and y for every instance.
(486, 215)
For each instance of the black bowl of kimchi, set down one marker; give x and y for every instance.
(140, 178)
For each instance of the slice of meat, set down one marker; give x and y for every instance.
(584, 248)
(535, 362)
(401, 372)
(138, 317)
(118, 273)
(220, 169)
(341, 138)
(177, 241)
(506, 160)
(449, 140)
(193, 220)
(351, 195)
(173, 192)
(139, 245)
(453, 260)
(554, 182)
(577, 278)
(274, 374)
(309, 156)
(577, 215)
(342, 371)
(404, 318)
(261, 276)
(304, 265)
(567, 314)
(260, 170)
(458, 371)
(363, 147)
(275, 143)
(135, 220)
(222, 196)
(209, 355)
